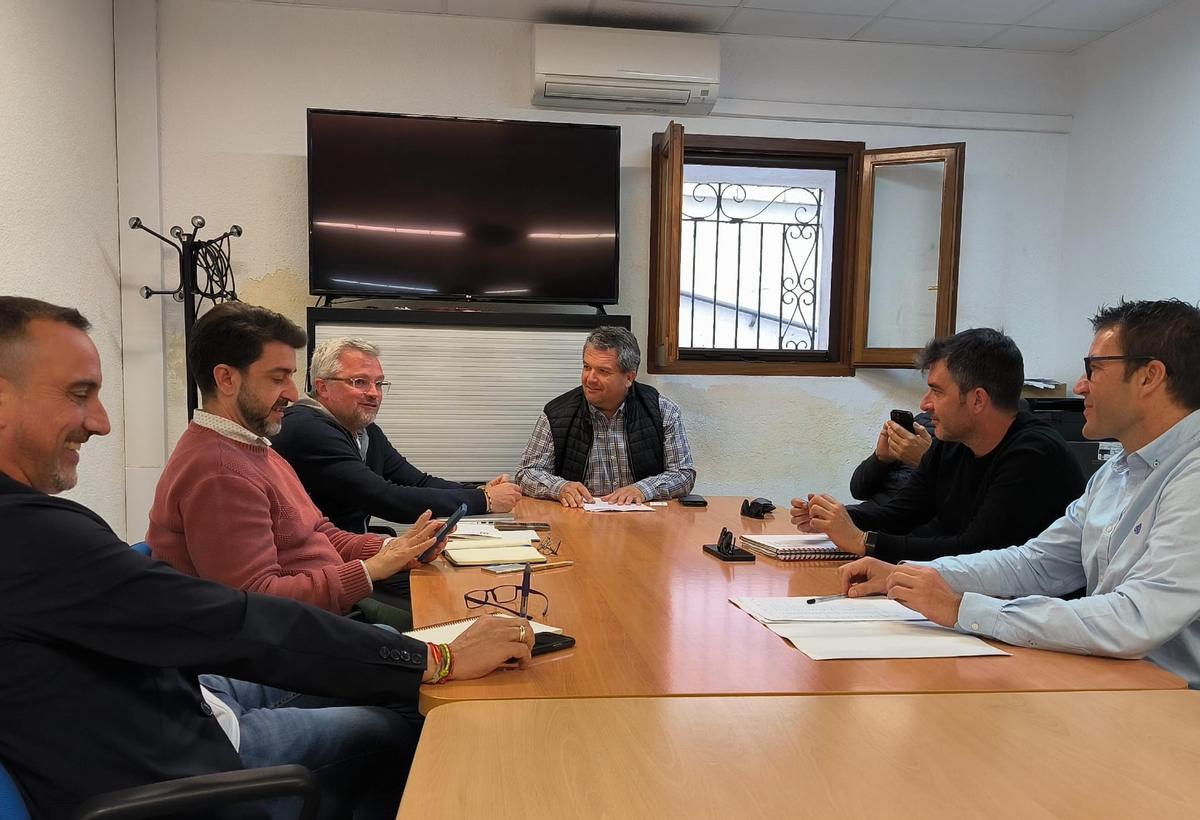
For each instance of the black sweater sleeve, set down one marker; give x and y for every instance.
(911, 506)
(869, 478)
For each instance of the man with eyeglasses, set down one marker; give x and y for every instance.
(229, 509)
(345, 460)
(1130, 539)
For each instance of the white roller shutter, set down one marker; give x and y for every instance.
(464, 400)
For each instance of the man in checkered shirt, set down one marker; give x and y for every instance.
(611, 438)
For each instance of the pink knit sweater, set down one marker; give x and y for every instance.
(237, 513)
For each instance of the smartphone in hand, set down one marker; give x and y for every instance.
(904, 418)
(428, 554)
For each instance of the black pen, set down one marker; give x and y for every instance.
(525, 591)
(822, 598)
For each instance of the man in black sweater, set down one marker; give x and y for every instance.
(101, 648)
(993, 477)
(345, 461)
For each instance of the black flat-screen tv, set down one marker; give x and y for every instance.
(417, 207)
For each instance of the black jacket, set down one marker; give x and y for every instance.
(349, 490)
(100, 648)
(956, 503)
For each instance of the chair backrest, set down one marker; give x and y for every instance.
(142, 547)
(12, 804)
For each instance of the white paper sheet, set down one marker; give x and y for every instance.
(604, 506)
(823, 641)
(774, 610)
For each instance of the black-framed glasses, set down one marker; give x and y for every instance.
(503, 595)
(549, 546)
(1089, 361)
(758, 508)
(362, 385)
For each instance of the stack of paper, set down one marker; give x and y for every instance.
(475, 544)
(860, 628)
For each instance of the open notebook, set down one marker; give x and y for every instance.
(447, 632)
(798, 547)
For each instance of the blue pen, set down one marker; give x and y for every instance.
(525, 590)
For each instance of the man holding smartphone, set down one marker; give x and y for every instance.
(995, 476)
(902, 443)
(228, 508)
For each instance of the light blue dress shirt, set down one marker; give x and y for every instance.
(1132, 539)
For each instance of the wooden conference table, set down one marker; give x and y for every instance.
(651, 615)
(1094, 754)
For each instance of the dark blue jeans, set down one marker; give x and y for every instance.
(359, 755)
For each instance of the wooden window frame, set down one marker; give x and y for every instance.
(851, 262)
(668, 156)
(953, 156)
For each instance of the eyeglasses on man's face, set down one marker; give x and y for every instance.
(501, 596)
(1090, 361)
(362, 385)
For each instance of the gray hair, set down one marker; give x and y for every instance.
(326, 358)
(609, 337)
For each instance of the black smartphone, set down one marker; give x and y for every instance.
(545, 642)
(694, 501)
(904, 419)
(428, 554)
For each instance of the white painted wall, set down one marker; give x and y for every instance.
(58, 237)
(1133, 191)
(236, 78)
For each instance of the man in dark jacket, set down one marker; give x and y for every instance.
(612, 437)
(101, 648)
(995, 476)
(345, 461)
(889, 467)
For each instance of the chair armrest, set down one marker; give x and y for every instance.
(191, 794)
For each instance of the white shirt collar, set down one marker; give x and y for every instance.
(229, 429)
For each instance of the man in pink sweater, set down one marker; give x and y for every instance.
(228, 508)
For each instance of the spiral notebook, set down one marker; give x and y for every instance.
(799, 547)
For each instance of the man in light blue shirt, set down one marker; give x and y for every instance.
(1133, 538)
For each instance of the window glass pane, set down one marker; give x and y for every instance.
(905, 240)
(756, 258)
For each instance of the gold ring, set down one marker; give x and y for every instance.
(521, 638)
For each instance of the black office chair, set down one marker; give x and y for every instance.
(170, 798)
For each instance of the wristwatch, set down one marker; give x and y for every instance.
(869, 541)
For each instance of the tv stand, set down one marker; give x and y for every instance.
(600, 311)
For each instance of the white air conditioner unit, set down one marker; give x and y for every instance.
(613, 69)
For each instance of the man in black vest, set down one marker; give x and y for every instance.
(611, 438)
